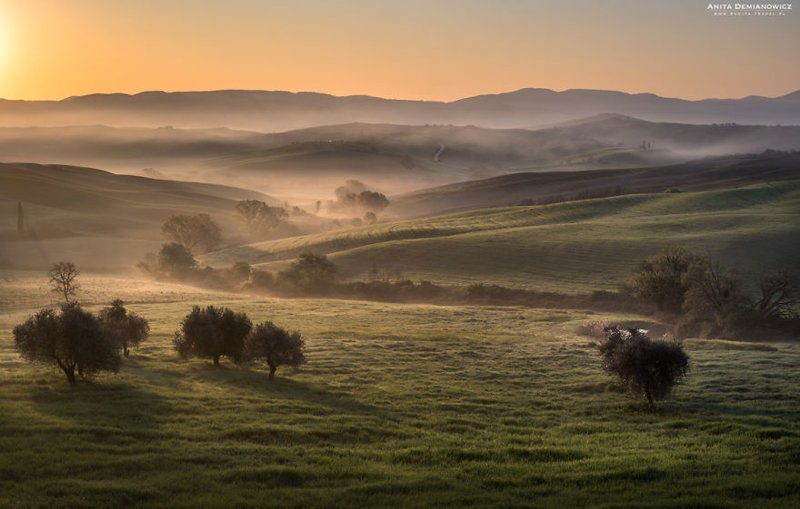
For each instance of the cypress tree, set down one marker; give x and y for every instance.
(20, 219)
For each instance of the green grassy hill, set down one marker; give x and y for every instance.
(575, 246)
(399, 406)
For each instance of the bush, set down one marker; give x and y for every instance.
(645, 367)
(212, 332)
(275, 346)
(129, 329)
(175, 260)
(70, 339)
(260, 280)
(311, 273)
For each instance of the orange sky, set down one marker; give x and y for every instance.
(414, 49)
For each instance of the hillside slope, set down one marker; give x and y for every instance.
(543, 187)
(569, 247)
(397, 158)
(94, 216)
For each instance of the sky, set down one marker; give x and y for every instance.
(407, 49)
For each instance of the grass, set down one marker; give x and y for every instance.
(400, 406)
(571, 247)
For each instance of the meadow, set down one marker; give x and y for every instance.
(571, 247)
(398, 406)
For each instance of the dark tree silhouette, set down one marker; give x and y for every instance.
(310, 273)
(212, 332)
(778, 295)
(62, 279)
(129, 329)
(645, 367)
(275, 346)
(198, 234)
(71, 339)
(20, 219)
(373, 201)
(260, 217)
(661, 279)
(175, 260)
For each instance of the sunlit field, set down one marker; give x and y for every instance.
(398, 406)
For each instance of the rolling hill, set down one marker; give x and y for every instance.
(397, 158)
(93, 217)
(279, 111)
(578, 246)
(543, 187)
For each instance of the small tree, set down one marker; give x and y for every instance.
(661, 278)
(645, 367)
(129, 329)
(62, 279)
(276, 346)
(71, 339)
(198, 233)
(370, 218)
(310, 273)
(373, 201)
(175, 260)
(778, 296)
(260, 217)
(212, 332)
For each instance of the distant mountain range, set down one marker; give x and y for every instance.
(280, 111)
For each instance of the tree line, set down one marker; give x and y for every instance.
(79, 342)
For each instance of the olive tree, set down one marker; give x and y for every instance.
(275, 346)
(71, 338)
(646, 367)
(212, 332)
(129, 329)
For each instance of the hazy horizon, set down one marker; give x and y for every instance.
(323, 92)
(441, 51)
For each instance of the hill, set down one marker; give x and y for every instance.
(578, 246)
(278, 110)
(396, 158)
(95, 217)
(543, 187)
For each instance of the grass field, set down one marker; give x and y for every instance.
(398, 406)
(568, 247)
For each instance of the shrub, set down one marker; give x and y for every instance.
(311, 273)
(645, 367)
(175, 260)
(129, 329)
(70, 339)
(212, 332)
(275, 346)
(260, 280)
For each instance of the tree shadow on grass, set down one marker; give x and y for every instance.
(256, 381)
(110, 411)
